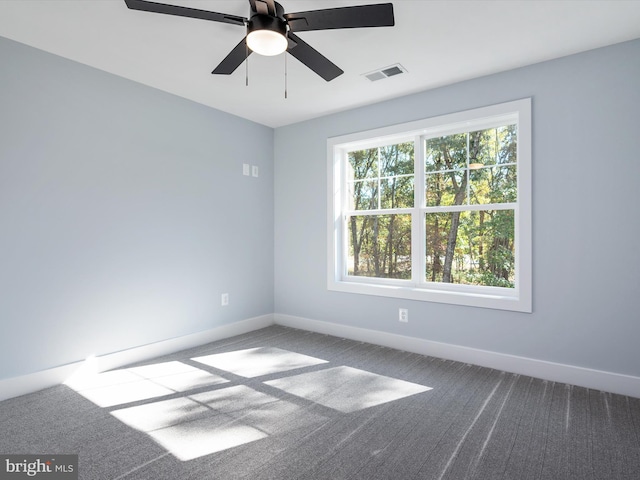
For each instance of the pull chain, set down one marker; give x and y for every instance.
(246, 64)
(285, 75)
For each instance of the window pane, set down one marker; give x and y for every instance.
(363, 195)
(493, 146)
(482, 147)
(507, 144)
(446, 153)
(396, 192)
(446, 188)
(381, 177)
(473, 248)
(493, 185)
(396, 160)
(363, 164)
(380, 246)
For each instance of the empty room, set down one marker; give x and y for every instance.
(319, 239)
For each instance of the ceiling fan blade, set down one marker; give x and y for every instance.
(180, 11)
(379, 15)
(314, 59)
(235, 58)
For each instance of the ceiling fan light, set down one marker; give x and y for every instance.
(266, 42)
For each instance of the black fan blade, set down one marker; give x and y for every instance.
(180, 11)
(235, 58)
(313, 59)
(379, 15)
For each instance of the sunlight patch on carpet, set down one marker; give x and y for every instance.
(141, 383)
(210, 422)
(187, 441)
(347, 389)
(231, 413)
(255, 362)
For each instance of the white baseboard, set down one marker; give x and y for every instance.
(16, 386)
(556, 372)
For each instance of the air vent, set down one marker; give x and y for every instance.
(375, 76)
(385, 72)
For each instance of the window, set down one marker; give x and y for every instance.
(436, 210)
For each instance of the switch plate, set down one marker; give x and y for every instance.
(245, 169)
(224, 299)
(254, 171)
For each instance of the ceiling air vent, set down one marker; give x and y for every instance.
(385, 72)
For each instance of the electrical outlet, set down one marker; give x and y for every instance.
(224, 299)
(403, 315)
(246, 169)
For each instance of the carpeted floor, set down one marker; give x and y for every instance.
(281, 403)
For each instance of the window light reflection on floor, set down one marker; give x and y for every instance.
(214, 421)
(255, 362)
(347, 389)
(141, 383)
(196, 439)
(232, 413)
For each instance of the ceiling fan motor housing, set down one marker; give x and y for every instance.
(275, 23)
(267, 22)
(267, 29)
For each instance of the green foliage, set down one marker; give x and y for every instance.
(470, 246)
(380, 246)
(483, 252)
(381, 178)
(475, 168)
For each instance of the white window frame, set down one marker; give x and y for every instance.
(514, 299)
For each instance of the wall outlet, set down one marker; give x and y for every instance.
(245, 169)
(403, 315)
(224, 299)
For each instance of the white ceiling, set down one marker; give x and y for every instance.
(437, 42)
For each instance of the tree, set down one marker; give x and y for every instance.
(476, 168)
(382, 178)
(462, 245)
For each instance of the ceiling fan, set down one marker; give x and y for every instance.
(270, 31)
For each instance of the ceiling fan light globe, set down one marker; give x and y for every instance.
(267, 42)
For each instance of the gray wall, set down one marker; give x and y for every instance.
(586, 174)
(124, 214)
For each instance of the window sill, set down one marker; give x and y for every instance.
(498, 298)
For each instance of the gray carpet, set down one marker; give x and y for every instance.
(280, 403)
